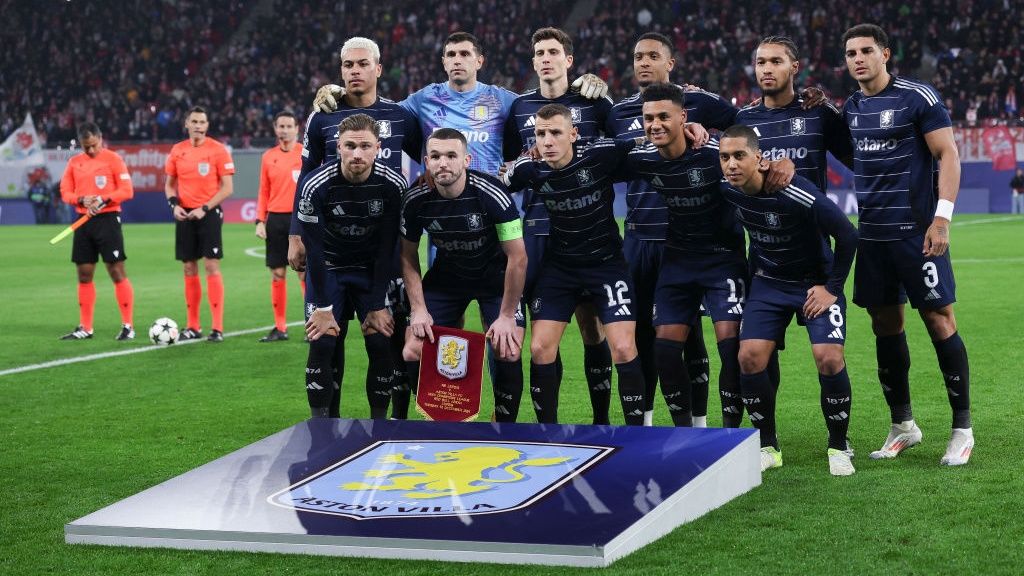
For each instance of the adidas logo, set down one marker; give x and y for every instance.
(531, 121)
(636, 125)
(756, 131)
(854, 123)
(952, 393)
(623, 311)
(837, 334)
(737, 309)
(314, 386)
(657, 182)
(756, 417)
(546, 188)
(839, 417)
(434, 226)
(338, 211)
(933, 294)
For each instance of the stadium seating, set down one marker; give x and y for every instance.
(135, 68)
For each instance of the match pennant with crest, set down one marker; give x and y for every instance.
(451, 370)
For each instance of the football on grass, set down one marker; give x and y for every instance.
(164, 332)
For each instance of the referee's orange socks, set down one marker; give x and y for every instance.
(86, 304)
(193, 296)
(125, 295)
(215, 293)
(279, 301)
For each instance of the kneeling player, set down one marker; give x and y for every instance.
(795, 272)
(348, 211)
(475, 226)
(583, 262)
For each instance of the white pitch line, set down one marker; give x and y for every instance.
(256, 251)
(139, 350)
(985, 260)
(988, 221)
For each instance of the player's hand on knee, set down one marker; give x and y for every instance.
(321, 323)
(261, 230)
(590, 86)
(420, 322)
(936, 239)
(380, 321)
(818, 301)
(504, 336)
(813, 96)
(778, 174)
(696, 133)
(327, 97)
(296, 254)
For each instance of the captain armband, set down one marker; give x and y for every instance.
(509, 230)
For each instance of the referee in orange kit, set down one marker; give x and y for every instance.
(199, 173)
(279, 172)
(95, 183)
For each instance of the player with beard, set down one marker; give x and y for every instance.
(348, 214)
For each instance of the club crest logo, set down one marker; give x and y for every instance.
(773, 219)
(427, 479)
(584, 176)
(797, 126)
(101, 182)
(577, 115)
(885, 119)
(376, 207)
(452, 357)
(695, 176)
(295, 175)
(474, 221)
(480, 113)
(383, 129)
(204, 168)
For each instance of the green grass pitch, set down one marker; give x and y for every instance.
(80, 436)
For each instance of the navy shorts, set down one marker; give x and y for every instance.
(887, 273)
(349, 294)
(195, 239)
(448, 297)
(644, 259)
(771, 305)
(99, 237)
(535, 248)
(560, 289)
(687, 280)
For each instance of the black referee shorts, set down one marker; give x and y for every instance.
(99, 237)
(277, 226)
(195, 239)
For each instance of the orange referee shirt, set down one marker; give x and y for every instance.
(199, 170)
(105, 176)
(279, 173)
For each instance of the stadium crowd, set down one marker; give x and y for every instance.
(80, 61)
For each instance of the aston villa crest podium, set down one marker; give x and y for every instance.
(487, 492)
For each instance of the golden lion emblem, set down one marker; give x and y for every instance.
(453, 473)
(451, 354)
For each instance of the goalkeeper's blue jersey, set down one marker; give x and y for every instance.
(479, 114)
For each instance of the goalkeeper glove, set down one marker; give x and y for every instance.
(590, 86)
(327, 97)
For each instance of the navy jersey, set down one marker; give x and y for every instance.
(789, 234)
(589, 118)
(895, 175)
(579, 198)
(463, 229)
(699, 219)
(646, 216)
(803, 136)
(349, 228)
(399, 131)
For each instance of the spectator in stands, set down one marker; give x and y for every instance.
(1017, 186)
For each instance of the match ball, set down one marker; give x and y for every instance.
(164, 332)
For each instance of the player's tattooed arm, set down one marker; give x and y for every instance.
(420, 320)
(813, 96)
(696, 133)
(818, 300)
(943, 148)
